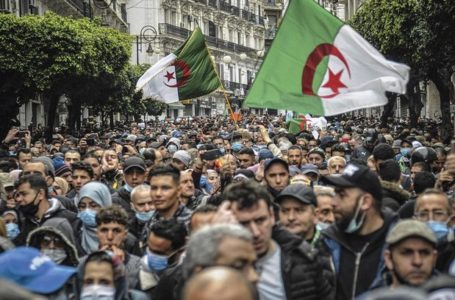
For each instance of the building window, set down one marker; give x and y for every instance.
(212, 29)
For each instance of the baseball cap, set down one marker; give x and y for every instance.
(134, 162)
(265, 154)
(410, 228)
(34, 271)
(6, 180)
(269, 162)
(310, 168)
(355, 175)
(299, 192)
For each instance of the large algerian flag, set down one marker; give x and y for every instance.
(319, 65)
(185, 74)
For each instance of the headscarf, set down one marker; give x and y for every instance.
(99, 193)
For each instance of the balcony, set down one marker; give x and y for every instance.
(183, 33)
(226, 7)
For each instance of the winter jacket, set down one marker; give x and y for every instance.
(56, 210)
(302, 271)
(123, 198)
(62, 229)
(393, 195)
(363, 266)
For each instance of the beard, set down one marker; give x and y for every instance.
(346, 219)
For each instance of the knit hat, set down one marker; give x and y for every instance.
(182, 156)
(60, 166)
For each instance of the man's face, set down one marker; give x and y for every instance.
(259, 220)
(111, 159)
(294, 157)
(186, 184)
(34, 168)
(218, 143)
(39, 147)
(438, 164)
(165, 192)
(245, 160)
(324, 211)
(336, 166)
(95, 164)
(23, 159)
(80, 177)
(178, 164)
(345, 205)
(134, 177)
(297, 217)
(277, 177)
(315, 159)
(200, 219)
(339, 153)
(142, 201)
(415, 170)
(411, 261)
(433, 207)
(99, 273)
(238, 254)
(312, 144)
(111, 234)
(159, 245)
(26, 195)
(72, 157)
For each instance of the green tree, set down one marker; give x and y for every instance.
(418, 33)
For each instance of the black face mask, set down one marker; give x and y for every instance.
(30, 209)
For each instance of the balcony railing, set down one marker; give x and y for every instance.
(165, 28)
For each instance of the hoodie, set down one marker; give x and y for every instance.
(394, 196)
(61, 228)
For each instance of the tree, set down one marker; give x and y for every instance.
(53, 55)
(418, 33)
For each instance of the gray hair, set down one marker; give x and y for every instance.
(138, 189)
(202, 248)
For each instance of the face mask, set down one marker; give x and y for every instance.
(12, 230)
(127, 187)
(355, 225)
(156, 262)
(141, 151)
(440, 229)
(97, 292)
(405, 151)
(236, 147)
(88, 217)
(222, 150)
(57, 255)
(322, 226)
(30, 210)
(144, 216)
(172, 148)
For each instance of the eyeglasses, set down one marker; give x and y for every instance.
(47, 240)
(434, 215)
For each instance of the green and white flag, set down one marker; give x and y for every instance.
(319, 65)
(185, 74)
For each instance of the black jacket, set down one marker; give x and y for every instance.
(393, 195)
(123, 198)
(303, 274)
(357, 269)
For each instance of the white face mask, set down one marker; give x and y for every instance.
(97, 292)
(355, 224)
(57, 255)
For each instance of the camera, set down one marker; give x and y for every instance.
(21, 133)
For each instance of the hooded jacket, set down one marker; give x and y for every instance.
(123, 198)
(394, 196)
(365, 265)
(61, 228)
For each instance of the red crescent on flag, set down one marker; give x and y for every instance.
(182, 65)
(312, 62)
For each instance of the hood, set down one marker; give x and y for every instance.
(61, 228)
(289, 241)
(120, 281)
(55, 206)
(395, 191)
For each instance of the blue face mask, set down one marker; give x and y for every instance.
(236, 147)
(405, 151)
(322, 226)
(440, 229)
(156, 262)
(12, 230)
(222, 150)
(127, 187)
(144, 216)
(88, 217)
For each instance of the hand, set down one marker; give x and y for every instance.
(259, 175)
(224, 215)
(264, 134)
(28, 139)
(444, 176)
(117, 251)
(11, 135)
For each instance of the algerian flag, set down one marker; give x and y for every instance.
(185, 74)
(319, 65)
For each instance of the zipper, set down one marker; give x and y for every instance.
(358, 256)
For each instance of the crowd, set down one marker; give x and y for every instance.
(207, 209)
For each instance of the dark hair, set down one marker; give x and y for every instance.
(338, 148)
(111, 214)
(23, 150)
(205, 209)
(389, 170)
(84, 167)
(248, 151)
(99, 257)
(422, 165)
(165, 170)
(383, 151)
(295, 147)
(72, 151)
(91, 154)
(423, 180)
(247, 194)
(171, 230)
(36, 181)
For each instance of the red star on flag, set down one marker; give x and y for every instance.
(169, 76)
(334, 83)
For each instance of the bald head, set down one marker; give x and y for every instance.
(217, 284)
